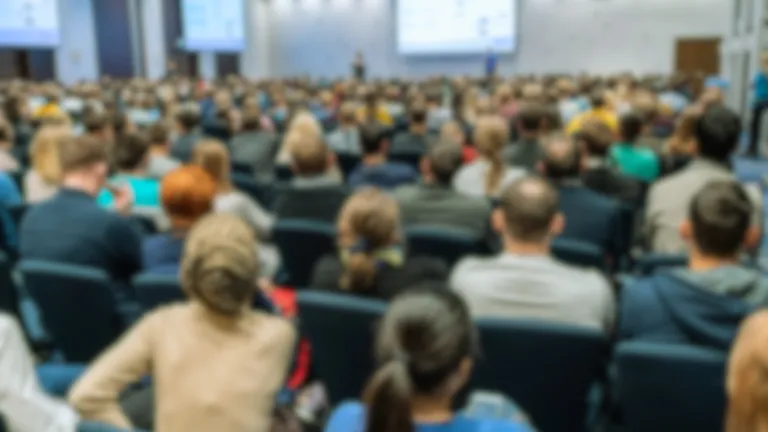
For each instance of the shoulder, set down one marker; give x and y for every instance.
(468, 268)
(487, 424)
(428, 267)
(326, 273)
(407, 192)
(348, 417)
(273, 328)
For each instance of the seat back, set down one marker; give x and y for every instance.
(445, 243)
(77, 305)
(283, 173)
(578, 253)
(340, 328)
(652, 262)
(302, 243)
(9, 298)
(412, 158)
(256, 190)
(242, 169)
(347, 162)
(670, 388)
(153, 291)
(546, 368)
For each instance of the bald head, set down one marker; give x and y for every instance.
(562, 158)
(529, 206)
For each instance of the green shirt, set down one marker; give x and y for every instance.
(635, 161)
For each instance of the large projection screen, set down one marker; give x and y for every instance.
(29, 23)
(213, 25)
(456, 27)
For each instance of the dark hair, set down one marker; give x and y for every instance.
(251, 120)
(95, 121)
(425, 335)
(631, 126)
(81, 152)
(445, 159)
(562, 157)
(717, 132)
(418, 114)
(158, 134)
(720, 214)
(130, 151)
(120, 122)
(372, 137)
(11, 108)
(188, 117)
(597, 137)
(529, 117)
(597, 98)
(529, 205)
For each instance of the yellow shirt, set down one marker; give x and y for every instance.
(49, 110)
(382, 115)
(604, 115)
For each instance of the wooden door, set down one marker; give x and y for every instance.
(698, 58)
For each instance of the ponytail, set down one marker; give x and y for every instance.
(359, 272)
(388, 398)
(494, 175)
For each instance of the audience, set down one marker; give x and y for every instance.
(314, 193)
(633, 159)
(8, 162)
(524, 281)
(188, 120)
(187, 194)
(453, 131)
(346, 138)
(745, 381)
(526, 152)
(371, 260)
(426, 348)
(160, 162)
(704, 303)
(98, 125)
(600, 110)
(375, 169)
(717, 133)
(71, 228)
(488, 175)
(433, 202)
(200, 354)
(683, 141)
(255, 148)
(41, 181)
(372, 110)
(130, 158)
(592, 217)
(417, 139)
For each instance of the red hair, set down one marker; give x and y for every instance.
(187, 194)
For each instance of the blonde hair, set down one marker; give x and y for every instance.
(491, 136)
(220, 264)
(305, 122)
(213, 156)
(747, 378)
(44, 152)
(372, 217)
(453, 132)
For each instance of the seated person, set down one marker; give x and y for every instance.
(600, 110)
(704, 303)
(434, 202)
(131, 156)
(8, 162)
(187, 194)
(346, 138)
(525, 281)
(188, 120)
(199, 352)
(595, 140)
(374, 169)
(255, 148)
(717, 133)
(314, 193)
(526, 152)
(592, 217)
(489, 174)
(745, 380)
(98, 125)
(453, 131)
(371, 261)
(41, 181)
(634, 160)
(71, 228)
(426, 344)
(160, 162)
(417, 138)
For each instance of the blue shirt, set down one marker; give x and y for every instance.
(386, 176)
(9, 197)
(146, 191)
(350, 417)
(161, 254)
(761, 87)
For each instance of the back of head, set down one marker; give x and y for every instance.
(368, 223)
(529, 117)
(83, 152)
(747, 380)
(445, 159)
(309, 154)
(720, 215)
(597, 137)
(372, 138)
(306, 123)
(491, 136)
(418, 114)
(452, 131)
(96, 122)
(158, 134)
(187, 194)
(562, 158)
(529, 206)
(424, 346)
(598, 98)
(251, 119)
(213, 157)
(631, 127)
(44, 152)
(220, 266)
(717, 132)
(188, 116)
(348, 114)
(130, 151)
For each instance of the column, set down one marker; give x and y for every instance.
(256, 59)
(75, 57)
(206, 65)
(153, 39)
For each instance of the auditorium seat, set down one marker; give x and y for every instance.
(448, 244)
(412, 158)
(652, 262)
(302, 243)
(347, 163)
(153, 291)
(244, 169)
(670, 388)
(77, 305)
(340, 328)
(17, 213)
(579, 253)
(261, 192)
(547, 368)
(283, 173)
(9, 299)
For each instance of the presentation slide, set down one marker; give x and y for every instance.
(213, 25)
(29, 23)
(446, 27)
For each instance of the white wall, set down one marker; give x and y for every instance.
(153, 38)
(76, 54)
(319, 37)
(256, 59)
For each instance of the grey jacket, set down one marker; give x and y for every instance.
(441, 205)
(257, 150)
